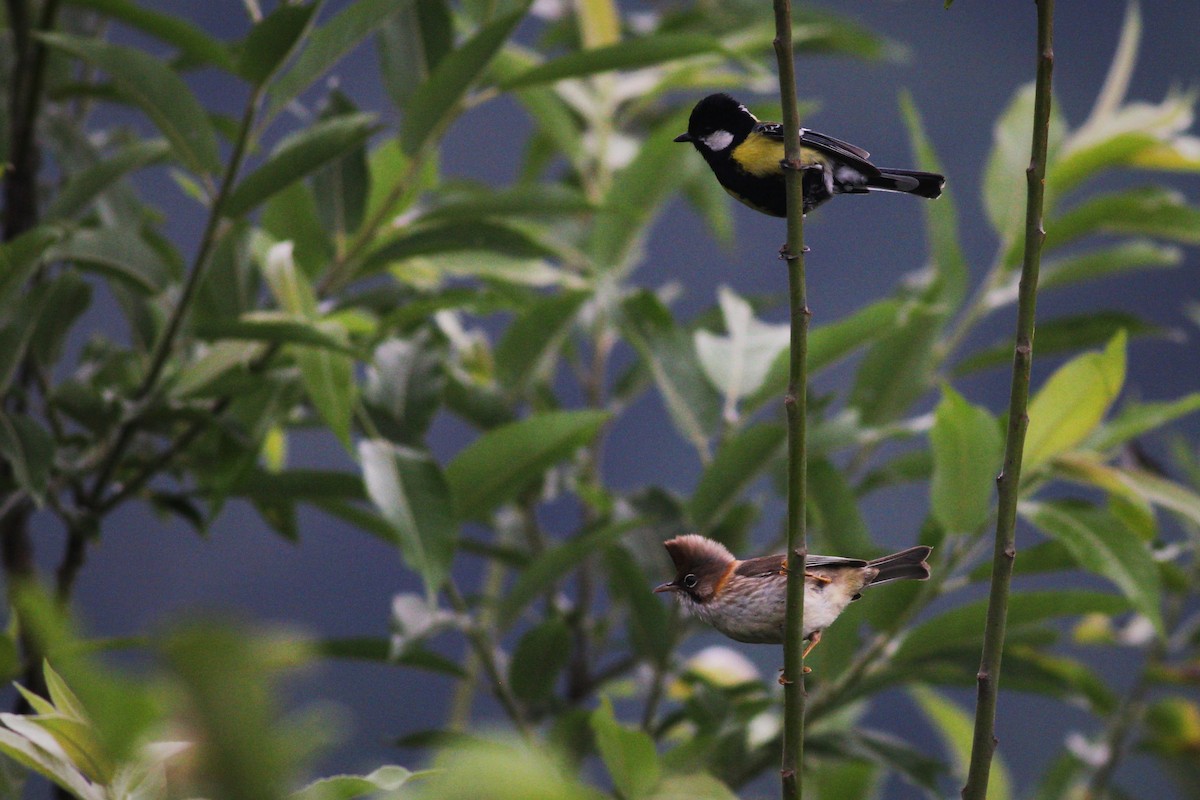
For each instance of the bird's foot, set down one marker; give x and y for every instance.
(797, 165)
(818, 578)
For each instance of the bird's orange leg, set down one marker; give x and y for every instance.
(818, 578)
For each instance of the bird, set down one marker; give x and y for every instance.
(747, 600)
(747, 157)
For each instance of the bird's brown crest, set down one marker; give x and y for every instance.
(692, 551)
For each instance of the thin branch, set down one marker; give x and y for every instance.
(484, 648)
(983, 744)
(795, 402)
(166, 341)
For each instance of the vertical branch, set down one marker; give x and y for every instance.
(1008, 483)
(795, 403)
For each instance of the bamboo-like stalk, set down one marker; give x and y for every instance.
(983, 744)
(795, 403)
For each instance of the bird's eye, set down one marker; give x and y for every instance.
(690, 581)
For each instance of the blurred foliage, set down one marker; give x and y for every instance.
(340, 283)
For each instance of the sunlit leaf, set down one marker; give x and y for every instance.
(1073, 401)
(1136, 419)
(349, 787)
(737, 363)
(1148, 211)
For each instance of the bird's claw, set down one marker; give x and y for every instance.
(818, 578)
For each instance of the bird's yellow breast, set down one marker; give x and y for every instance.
(760, 155)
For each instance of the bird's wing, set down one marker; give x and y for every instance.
(855, 155)
(760, 567)
(774, 565)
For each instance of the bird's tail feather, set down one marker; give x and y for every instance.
(922, 184)
(906, 565)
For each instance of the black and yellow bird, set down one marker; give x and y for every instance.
(747, 157)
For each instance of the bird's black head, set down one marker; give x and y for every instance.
(718, 123)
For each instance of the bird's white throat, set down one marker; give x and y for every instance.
(717, 140)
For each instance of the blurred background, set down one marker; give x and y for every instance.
(961, 66)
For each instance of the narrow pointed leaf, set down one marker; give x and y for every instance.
(629, 755)
(1073, 402)
(738, 463)
(272, 40)
(195, 46)
(499, 464)
(435, 101)
(85, 186)
(297, 157)
(151, 85)
(957, 731)
(1102, 545)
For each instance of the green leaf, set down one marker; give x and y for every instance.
(412, 42)
(325, 45)
(538, 658)
(1005, 184)
(694, 786)
(115, 253)
(405, 382)
(19, 259)
(828, 344)
(897, 369)
(1136, 419)
(552, 565)
(648, 623)
(537, 200)
(738, 463)
(151, 85)
(195, 46)
(297, 156)
(961, 628)
(669, 356)
(941, 218)
(273, 327)
(289, 287)
(328, 377)
(69, 295)
(411, 492)
(342, 187)
(644, 51)
(737, 363)
(967, 446)
(528, 350)
(1073, 402)
(1115, 260)
(845, 780)
(28, 450)
(1133, 484)
(349, 787)
(1100, 544)
(495, 467)
(957, 731)
(838, 523)
(1149, 211)
(628, 754)
(458, 236)
(436, 101)
(1061, 335)
(272, 40)
(85, 186)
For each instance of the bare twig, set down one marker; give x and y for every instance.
(796, 405)
(983, 744)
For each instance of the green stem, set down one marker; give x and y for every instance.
(983, 744)
(484, 648)
(166, 341)
(791, 770)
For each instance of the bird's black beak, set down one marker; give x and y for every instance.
(683, 137)
(667, 587)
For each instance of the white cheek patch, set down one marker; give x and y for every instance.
(717, 140)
